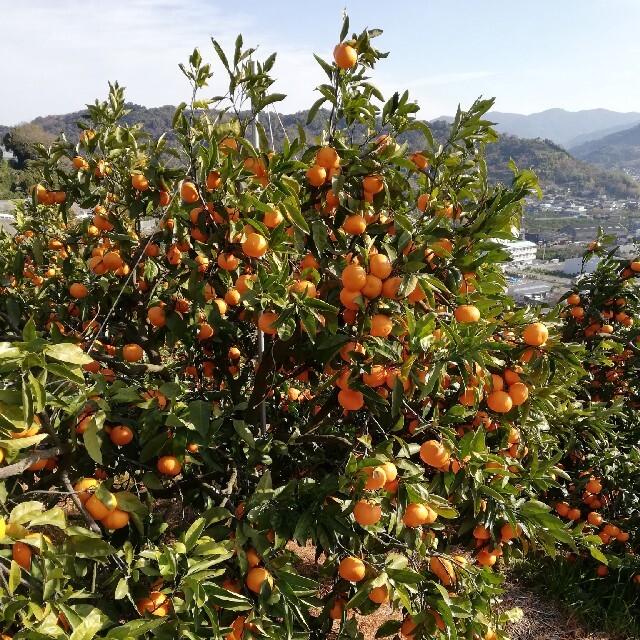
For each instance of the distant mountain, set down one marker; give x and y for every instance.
(562, 126)
(554, 165)
(620, 150)
(595, 135)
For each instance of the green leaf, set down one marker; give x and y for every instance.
(598, 555)
(134, 629)
(29, 331)
(130, 503)
(93, 441)
(69, 353)
(89, 626)
(25, 512)
(54, 517)
(199, 416)
(122, 590)
(242, 430)
(15, 575)
(193, 533)
(227, 599)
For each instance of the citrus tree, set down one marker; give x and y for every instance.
(602, 487)
(243, 351)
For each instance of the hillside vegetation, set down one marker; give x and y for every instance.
(620, 150)
(553, 164)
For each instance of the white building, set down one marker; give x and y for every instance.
(521, 251)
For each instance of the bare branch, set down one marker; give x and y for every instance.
(17, 468)
(91, 523)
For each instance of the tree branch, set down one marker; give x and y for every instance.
(91, 523)
(17, 468)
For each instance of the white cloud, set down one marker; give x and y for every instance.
(59, 56)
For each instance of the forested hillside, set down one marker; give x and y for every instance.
(553, 164)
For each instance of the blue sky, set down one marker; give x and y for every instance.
(531, 55)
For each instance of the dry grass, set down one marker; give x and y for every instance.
(542, 619)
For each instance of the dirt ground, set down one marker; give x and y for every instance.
(542, 619)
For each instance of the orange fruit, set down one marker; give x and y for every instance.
(390, 288)
(328, 158)
(507, 533)
(366, 513)
(442, 568)
(536, 334)
(416, 515)
(376, 478)
(82, 488)
(423, 201)
(467, 313)
(96, 508)
(350, 299)
(351, 400)
(156, 316)
(518, 393)
(379, 595)
(139, 182)
(408, 628)
(345, 56)
(373, 184)
(213, 180)
(434, 454)
(594, 486)
(355, 225)
(189, 192)
(381, 325)
(169, 465)
(78, 290)
(486, 559)
(80, 163)
(255, 245)
(390, 471)
(265, 321)
(351, 569)
(132, 352)
(335, 613)
(376, 378)
(316, 175)
(594, 518)
(205, 331)
(253, 558)
(117, 519)
(354, 277)
(304, 287)
(499, 401)
(272, 219)
(21, 553)
(121, 435)
(419, 160)
(256, 577)
(160, 398)
(380, 266)
(372, 287)
(232, 297)
(227, 261)
(574, 514)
